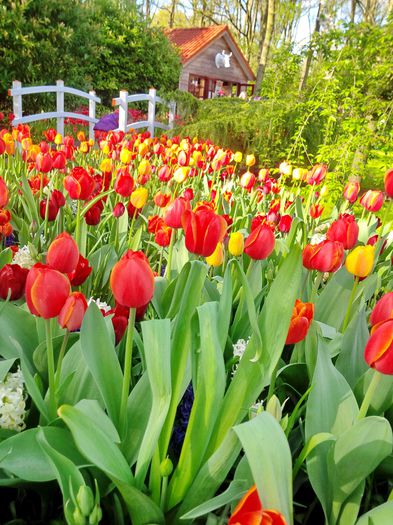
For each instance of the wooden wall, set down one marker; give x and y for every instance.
(204, 65)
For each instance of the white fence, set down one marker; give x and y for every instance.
(60, 114)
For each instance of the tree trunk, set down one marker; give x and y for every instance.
(266, 45)
(147, 9)
(353, 10)
(307, 62)
(172, 13)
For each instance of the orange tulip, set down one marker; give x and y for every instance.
(379, 349)
(73, 311)
(301, 319)
(46, 291)
(249, 511)
(63, 254)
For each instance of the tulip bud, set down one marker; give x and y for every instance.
(95, 516)
(85, 499)
(63, 253)
(217, 257)
(285, 168)
(236, 244)
(181, 174)
(274, 408)
(78, 517)
(166, 468)
(125, 156)
(360, 261)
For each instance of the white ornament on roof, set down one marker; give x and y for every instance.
(223, 60)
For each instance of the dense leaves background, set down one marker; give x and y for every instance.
(89, 45)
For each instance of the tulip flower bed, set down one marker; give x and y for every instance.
(188, 339)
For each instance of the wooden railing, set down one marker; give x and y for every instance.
(17, 92)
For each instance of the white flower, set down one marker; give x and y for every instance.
(240, 347)
(12, 402)
(317, 238)
(24, 258)
(101, 305)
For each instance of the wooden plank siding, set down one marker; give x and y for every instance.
(204, 65)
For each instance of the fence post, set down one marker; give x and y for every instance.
(92, 113)
(60, 106)
(151, 112)
(17, 100)
(172, 113)
(123, 111)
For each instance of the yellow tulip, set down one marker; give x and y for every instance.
(360, 261)
(84, 147)
(125, 156)
(139, 197)
(324, 191)
(106, 166)
(181, 174)
(143, 149)
(58, 139)
(26, 143)
(297, 174)
(238, 156)
(217, 257)
(236, 244)
(250, 160)
(144, 167)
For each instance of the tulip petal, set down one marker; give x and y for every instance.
(379, 349)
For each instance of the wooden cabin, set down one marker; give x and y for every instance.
(213, 64)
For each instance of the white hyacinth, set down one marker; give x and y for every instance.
(240, 347)
(24, 258)
(12, 402)
(101, 304)
(317, 238)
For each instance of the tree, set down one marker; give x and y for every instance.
(266, 44)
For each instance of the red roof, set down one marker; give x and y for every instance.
(193, 40)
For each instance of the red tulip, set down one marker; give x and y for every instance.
(203, 230)
(162, 199)
(163, 236)
(260, 243)
(50, 134)
(5, 216)
(73, 311)
(124, 183)
(43, 162)
(3, 193)
(383, 311)
(132, 280)
(58, 198)
(302, 316)
(379, 349)
(285, 223)
(327, 256)
(388, 180)
(12, 277)
(63, 253)
(249, 511)
(188, 194)
(345, 230)
(2, 146)
(174, 212)
(351, 191)
(119, 210)
(59, 160)
(79, 184)
(46, 291)
(81, 272)
(93, 216)
(53, 210)
(372, 200)
(317, 174)
(316, 211)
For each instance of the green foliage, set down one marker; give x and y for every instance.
(86, 44)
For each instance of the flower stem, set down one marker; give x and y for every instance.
(170, 254)
(78, 224)
(127, 379)
(61, 357)
(369, 394)
(348, 313)
(51, 369)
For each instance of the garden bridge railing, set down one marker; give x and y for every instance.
(17, 92)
